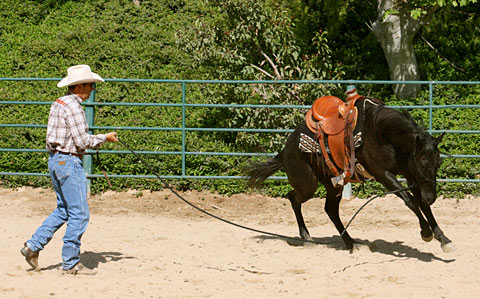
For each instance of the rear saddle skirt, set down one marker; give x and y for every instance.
(337, 120)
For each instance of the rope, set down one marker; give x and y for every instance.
(99, 164)
(208, 213)
(368, 201)
(242, 226)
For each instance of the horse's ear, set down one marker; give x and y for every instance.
(439, 139)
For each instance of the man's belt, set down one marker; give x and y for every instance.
(65, 153)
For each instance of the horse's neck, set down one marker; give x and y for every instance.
(402, 138)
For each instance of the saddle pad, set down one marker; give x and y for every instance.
(308, 145)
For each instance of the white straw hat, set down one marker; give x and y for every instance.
(79, 74)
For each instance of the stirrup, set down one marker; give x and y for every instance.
(338, 180)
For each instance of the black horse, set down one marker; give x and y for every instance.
(392, 144)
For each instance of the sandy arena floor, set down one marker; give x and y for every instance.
(155, 246)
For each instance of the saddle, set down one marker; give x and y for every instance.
(336, 119)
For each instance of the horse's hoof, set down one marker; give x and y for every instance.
(449, 247)
(427, 239)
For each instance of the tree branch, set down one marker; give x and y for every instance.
(269, 61)
(262, 93)
(368, 23)
(261, 70)
(439, 54)
(295, 94)
(272, 64)
(426, 18)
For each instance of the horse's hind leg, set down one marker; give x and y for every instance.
(332, 203)
(296, 200)
(304, 183)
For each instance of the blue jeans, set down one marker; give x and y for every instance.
(70, 184)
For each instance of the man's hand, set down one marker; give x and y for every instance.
(112, 137)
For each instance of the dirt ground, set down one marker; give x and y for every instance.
(153, 245)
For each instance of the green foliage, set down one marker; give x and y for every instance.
(453, 58)
(42, 38)
(255, 40)
(418, 6)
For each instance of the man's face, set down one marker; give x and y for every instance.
(83, 90)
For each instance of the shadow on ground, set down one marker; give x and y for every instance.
(395, 249)
(92, 259)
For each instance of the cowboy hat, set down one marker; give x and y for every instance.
(79, 74)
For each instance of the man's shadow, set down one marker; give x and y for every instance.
(92, 259)
(396, 249)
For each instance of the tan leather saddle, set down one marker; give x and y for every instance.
(332, 117)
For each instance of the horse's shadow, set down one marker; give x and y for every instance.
(396, 249)
(92, 259)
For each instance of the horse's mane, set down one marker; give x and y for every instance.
(395, 121)
(395, 126)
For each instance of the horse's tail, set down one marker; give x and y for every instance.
(259, 172)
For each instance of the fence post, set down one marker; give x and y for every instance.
(87, 159)
(347, 191)
(184, 124)
(430, 108)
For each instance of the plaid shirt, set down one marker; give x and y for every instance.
(67, 129)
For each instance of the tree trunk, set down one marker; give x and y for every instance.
(395, 34)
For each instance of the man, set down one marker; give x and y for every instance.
(67, 139)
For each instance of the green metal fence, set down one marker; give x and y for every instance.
(91, 106)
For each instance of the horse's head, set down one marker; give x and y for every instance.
(424, 164)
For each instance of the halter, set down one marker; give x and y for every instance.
(419, 171)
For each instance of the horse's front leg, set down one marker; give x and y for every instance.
(445, 243)
(425, 230)
(430, 224)
(390, 181)
(412, 202)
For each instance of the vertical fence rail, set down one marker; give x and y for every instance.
(87, 160)
(91, 104)
(184, 132)
(430, 108)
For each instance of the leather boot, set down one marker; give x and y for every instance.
(31, 257)
(79, 269)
